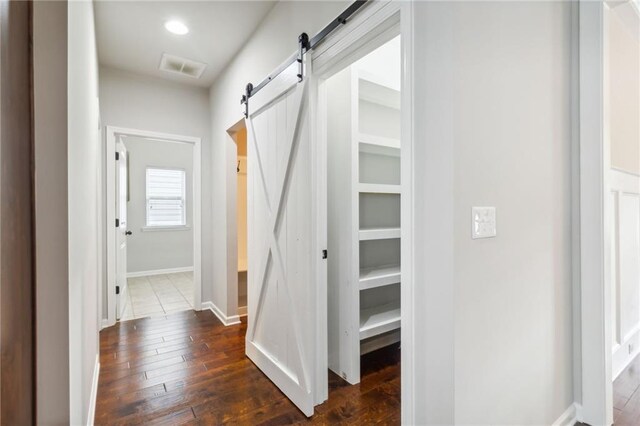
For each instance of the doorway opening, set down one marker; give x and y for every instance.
(608, 209)
(153, 198)
(159, 257)
(239, 135)
(364, 187)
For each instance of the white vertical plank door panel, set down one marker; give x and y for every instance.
(281, 328)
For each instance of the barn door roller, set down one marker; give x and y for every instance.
(304, 45)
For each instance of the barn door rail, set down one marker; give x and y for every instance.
(304, 45)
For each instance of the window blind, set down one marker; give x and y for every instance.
(166, 197)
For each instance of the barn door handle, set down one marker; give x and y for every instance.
(128, 233)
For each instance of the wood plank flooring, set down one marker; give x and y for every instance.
(626, 396)
(187, 368)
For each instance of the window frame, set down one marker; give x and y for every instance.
(185, 224)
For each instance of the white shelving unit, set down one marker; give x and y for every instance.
(364, 191)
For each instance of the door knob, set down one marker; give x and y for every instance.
(128, 233)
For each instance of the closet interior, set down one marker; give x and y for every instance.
(363, 195)
(241, 211)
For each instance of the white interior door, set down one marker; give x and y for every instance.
(281, 332)
(121, 230)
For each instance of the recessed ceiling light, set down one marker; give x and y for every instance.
(176, 27)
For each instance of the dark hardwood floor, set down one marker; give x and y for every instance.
(626, 396)
(187, 368)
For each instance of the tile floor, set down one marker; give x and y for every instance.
(158, 295)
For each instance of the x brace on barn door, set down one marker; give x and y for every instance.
(304, 45)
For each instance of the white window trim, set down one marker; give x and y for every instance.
(160, 228)
(147, 227)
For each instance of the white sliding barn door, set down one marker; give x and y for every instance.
(281, 332)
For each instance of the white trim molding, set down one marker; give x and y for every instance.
(94, 392)
(569, 417)
(159, 272)
(625, 181)
(595, 216)
(624, 204)
(104, 323)
(226, 320)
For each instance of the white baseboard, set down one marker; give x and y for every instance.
(242, 311)
(570, 416)
(104, 324)
(91, 415)
(231, 320)
(159, 272)
(578, 412)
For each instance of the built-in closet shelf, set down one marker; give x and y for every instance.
(365, 138)
(379, 145)
(379, 234)
(379, 150)
(378, 91)
(379, 188)
(379, 276)
(379, 319)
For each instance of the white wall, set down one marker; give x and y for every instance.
(84, 190)
(624, 88)
(51, 218)
(158, 249)
(145, 103)
(493, 105)
(273, 41)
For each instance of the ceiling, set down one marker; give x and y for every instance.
(131, 35)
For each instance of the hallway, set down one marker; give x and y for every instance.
(187, 368)
(207, 205)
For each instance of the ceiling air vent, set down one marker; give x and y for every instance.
(182, 66)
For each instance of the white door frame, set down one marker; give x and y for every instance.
(595, 389)
(232, 313)
(375, 24)
(111, 135)
(594, 216)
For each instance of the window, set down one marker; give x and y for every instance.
(166, 197)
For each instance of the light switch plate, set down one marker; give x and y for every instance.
(483, 222)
